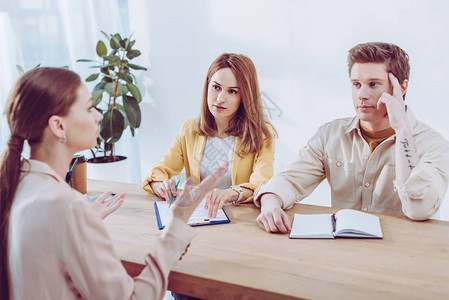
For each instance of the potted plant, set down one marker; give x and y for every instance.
(116, 95)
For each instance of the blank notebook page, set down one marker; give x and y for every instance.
(312, 225)
(358, 222)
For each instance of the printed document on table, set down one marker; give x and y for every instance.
(198, 217)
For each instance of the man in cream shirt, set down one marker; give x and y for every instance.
(382, 160)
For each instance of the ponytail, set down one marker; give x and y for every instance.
(37, 95)
(9, 179)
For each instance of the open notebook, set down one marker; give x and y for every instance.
(345, 223)
(199, 216)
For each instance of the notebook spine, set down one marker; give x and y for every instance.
(334, 223)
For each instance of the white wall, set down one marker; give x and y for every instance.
(299, 49)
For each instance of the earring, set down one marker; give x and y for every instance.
(63, 139)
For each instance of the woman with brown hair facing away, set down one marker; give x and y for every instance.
(231, 128)
(53, 243)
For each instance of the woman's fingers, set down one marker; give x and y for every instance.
(218, 204)
(172, 187)
(103, 196)
(165, 190)
(213, 203)
(104, 205)
(116, 202)
(209, 183)
(190, 197)
(207, 203)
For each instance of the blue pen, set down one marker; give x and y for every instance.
(173, 197)
(68, 177)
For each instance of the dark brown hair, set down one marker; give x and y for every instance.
(396, 59)
(249, 122)
(37, 95)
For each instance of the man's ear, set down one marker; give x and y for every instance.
(404, 86)
(56, 126)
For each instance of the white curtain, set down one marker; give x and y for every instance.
(9, 53)
(57, 33)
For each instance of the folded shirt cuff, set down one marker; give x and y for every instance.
(279, 188)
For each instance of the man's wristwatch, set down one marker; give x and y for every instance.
(239, 190)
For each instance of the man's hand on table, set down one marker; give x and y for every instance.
(272, 217)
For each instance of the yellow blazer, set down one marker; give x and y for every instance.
(249, 171)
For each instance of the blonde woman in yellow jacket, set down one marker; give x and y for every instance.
(231, 127)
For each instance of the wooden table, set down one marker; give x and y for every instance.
(241, 261)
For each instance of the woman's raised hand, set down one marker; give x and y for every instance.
(191, 196)
(105, 206)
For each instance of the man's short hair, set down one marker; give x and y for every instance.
(396, 59)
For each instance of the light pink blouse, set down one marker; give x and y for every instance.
(59, 248)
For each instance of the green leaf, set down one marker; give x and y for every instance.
(105, 70)
(85, 60)
(121, 89)
(132, 109)
(106, 35)
(97, 96)
(124, 43)
(133, 54)
(101, 66)
(114, 43)
(20, 70)
(132, 130)
(121, 109)
(112, 126)
(136, 67)
(126, 77)
(109, 88)
(130, 44)
(101, 49)
(114, 60)
(118, 124)
(127, 45)
(118, 37)
(126, 122)
(100, 85)
(92, 77)
(135, 92)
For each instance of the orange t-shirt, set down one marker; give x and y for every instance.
(375, 138)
